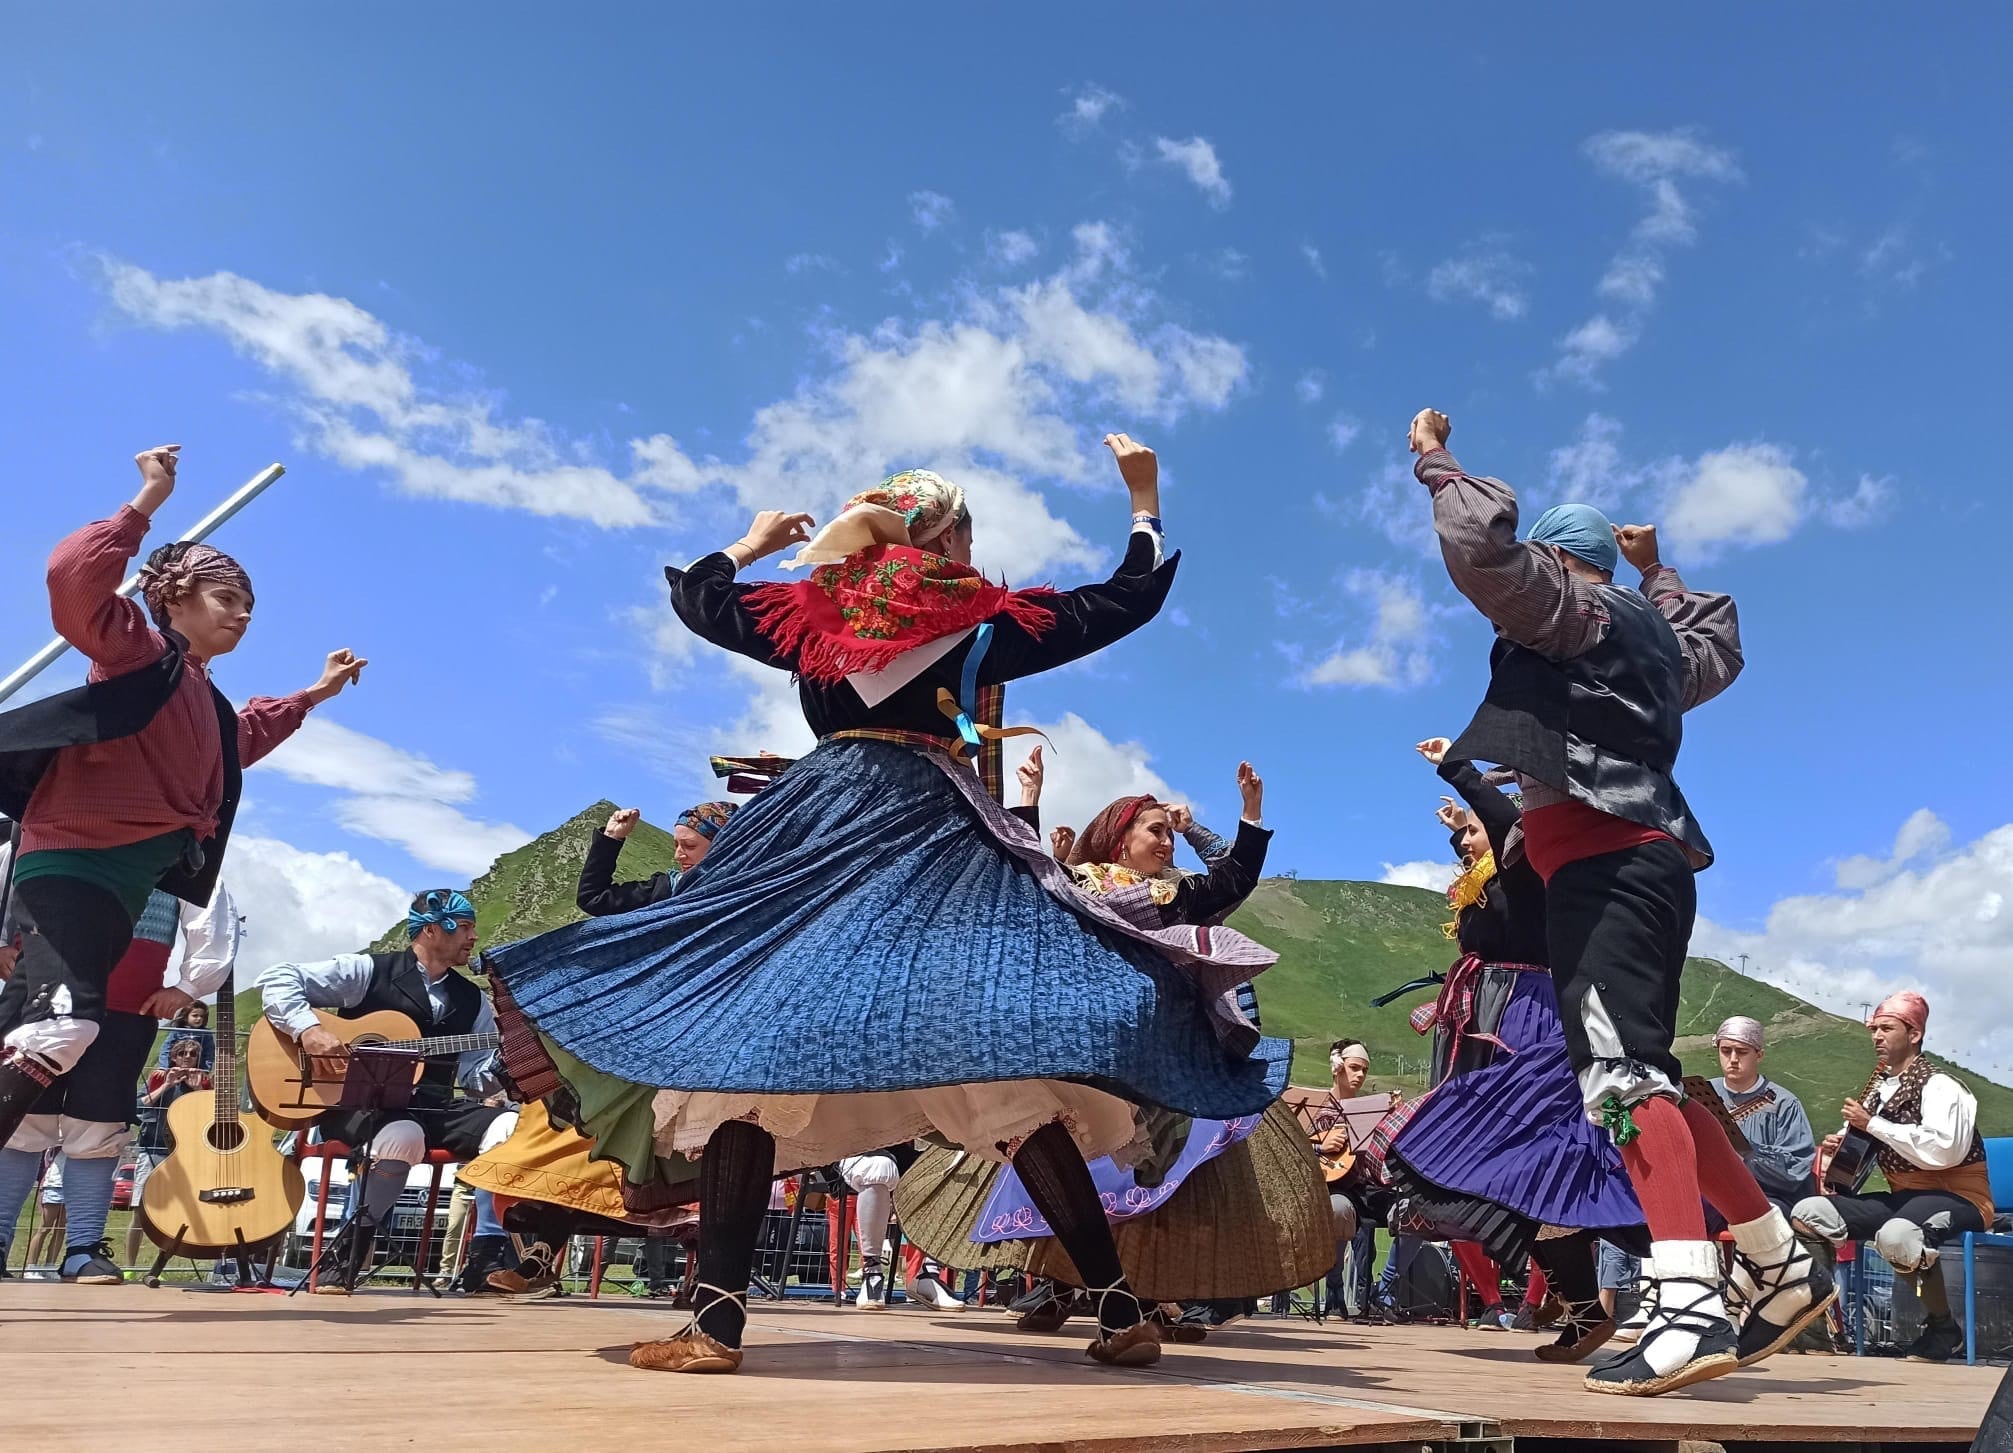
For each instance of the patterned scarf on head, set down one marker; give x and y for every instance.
(174, 572)
(707, 818)
(879, 590)
(1093, 859)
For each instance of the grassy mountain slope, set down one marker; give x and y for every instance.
(1341, 944)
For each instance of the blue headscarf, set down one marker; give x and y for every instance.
(443, 906)
(707, 818)
(1579, 530)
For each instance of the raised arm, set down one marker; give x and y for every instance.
(1092, 617)
(599, 894)
(1497, 814)
(1212, 896)
(1707, 626)
(712, 604)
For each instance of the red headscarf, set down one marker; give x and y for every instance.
(1103, 837)
(1907, 1006)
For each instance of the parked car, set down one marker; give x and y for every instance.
(399, 1246)
(122, 1185)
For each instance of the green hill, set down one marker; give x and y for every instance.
(1340, 945)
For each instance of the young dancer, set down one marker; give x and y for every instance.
(1589, 683)
(878, 880)
(128, 783)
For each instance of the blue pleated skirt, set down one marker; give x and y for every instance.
(872, 950)
(1515, 1131)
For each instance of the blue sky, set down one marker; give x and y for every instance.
(530, 310)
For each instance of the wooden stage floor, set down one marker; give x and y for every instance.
(126, 1367)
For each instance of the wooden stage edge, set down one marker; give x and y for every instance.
(175, 1368)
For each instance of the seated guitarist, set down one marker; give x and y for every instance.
(1926, 1125)
(421, 983)
(1781, 1148)
(1353, 1195)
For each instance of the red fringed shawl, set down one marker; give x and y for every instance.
(884, 600)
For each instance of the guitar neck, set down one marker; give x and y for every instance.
(443, 1045)
(224, 1070)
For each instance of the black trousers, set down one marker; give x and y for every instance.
(1865, 1215)
(74, 934)
(457, 1126)
(1620, 923)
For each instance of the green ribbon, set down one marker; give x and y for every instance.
(1617, 1120)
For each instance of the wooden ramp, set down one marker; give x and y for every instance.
(125, 1367)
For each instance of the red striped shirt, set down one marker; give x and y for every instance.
(170, 774)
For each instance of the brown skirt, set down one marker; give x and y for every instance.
(1251, 1222)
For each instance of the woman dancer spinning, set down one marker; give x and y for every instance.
(1231, 1209)
(1502, 1146)
(876, 872)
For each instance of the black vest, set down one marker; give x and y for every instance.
(106, 711)
(1603, 727)
(398, 982)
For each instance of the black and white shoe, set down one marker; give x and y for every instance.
(1689, 1337)
(873, 1295)
(929, 1293)
(92, 1265)
(1781, 1286)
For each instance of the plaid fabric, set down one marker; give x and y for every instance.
(525, 1061)
(1379, 1142)
(992, 751)
(901, 738)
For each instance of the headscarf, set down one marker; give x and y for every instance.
(176, 571)
(1352, 1050)
(1103, 837)
(1741, 1030)
(707, 818)
(1907, 1006)
(913, 509)
(444, 906)
(880, 589)
(1579, 530)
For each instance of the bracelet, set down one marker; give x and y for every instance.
(1141, 517)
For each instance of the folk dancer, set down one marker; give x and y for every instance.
(878, 872)
(421, 982)
(1588, 686)
(129, 782)
(1925, 1121)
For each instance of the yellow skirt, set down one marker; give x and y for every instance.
(542, 1163)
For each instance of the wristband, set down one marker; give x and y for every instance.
(1141, 517)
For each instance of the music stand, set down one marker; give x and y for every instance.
(374, 1079)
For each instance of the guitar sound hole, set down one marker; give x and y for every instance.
(226, 1137)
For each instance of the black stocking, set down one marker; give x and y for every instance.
(1059, 1184)
(1569, 1267)
(734, 1177)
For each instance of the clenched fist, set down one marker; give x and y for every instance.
(1638, 544)
(1430, 429)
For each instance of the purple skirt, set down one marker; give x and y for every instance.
(1515, 1130)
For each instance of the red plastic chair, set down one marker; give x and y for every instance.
(333, 1150)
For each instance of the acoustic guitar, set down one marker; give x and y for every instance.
(1851, 1165)
(224, 1186)
(291, 1089)
(1359, 1118)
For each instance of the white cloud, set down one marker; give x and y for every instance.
(1935, 916)
(1342, 431)
(670, 644)
(1395, 505)
(1197, 158)
(931, 210)
(1230, 264)
(1434, 875)
(395, 796)
(1744, 494)
(803, 262)
(301, 906)
(1313, 255)
(1895, 259)
(1086, 770)
(1310, 386)
(359, 403)
(1654, 162)
(1011, 249)
(1088, 105)
(1392, 652)
(1486, 273)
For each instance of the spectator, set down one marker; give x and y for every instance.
(184, 1073)
(192, 1023)
(48, 1240)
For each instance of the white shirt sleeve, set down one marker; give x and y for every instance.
(209, 946)
(292, 992)
(1943, 1139)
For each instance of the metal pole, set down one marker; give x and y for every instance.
(201, 530)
